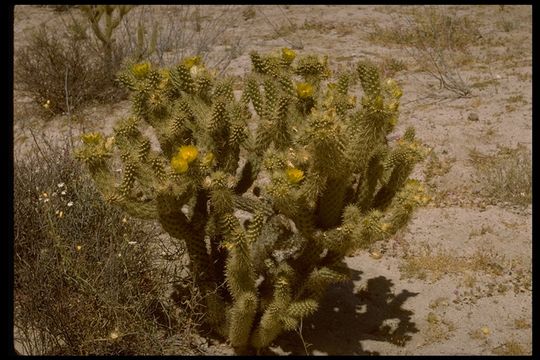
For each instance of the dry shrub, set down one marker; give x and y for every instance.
(86, 279)
(437, 39)
(61, 72)
(64, 68)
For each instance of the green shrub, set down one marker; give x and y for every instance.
(316, 180)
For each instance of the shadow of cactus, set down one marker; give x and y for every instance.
(346, 317)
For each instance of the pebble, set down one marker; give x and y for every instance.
(473, 117)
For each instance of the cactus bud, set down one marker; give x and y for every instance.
(304, 90)
(91, 138)
(288, 55)
(191, 61)
(188, 153)
(140, 70)
(179, 164)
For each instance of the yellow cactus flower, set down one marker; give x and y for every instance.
(351, 101)
(140, 70)
(191, 61)
(288, 54)
(91, 138)
(304, 90)
(294, 175)
(179, 164)
(385, 227)
(188, 153)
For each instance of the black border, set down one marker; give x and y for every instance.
(8, 20)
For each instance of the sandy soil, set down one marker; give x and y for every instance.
(479, 298)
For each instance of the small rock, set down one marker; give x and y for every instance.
(473, 117)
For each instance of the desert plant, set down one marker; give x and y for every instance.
(505, 175)
(284, 28)
(85, 279)
(315, 181)
(103, 20)
(433, 37)
(60, 72)
(172, 33)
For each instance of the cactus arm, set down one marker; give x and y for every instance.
(270, 324)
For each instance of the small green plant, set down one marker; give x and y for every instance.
(316, 180)
(391, 66)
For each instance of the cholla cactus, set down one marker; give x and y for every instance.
(316, 174)
(103, 20)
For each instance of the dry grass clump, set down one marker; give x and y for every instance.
(511, 347)
(436, 166)
(437, 39)
(427, 264)
(85, 276)
(506, 176)
(522, 323)
(438, 329)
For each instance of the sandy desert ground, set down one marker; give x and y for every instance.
(458, 279)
